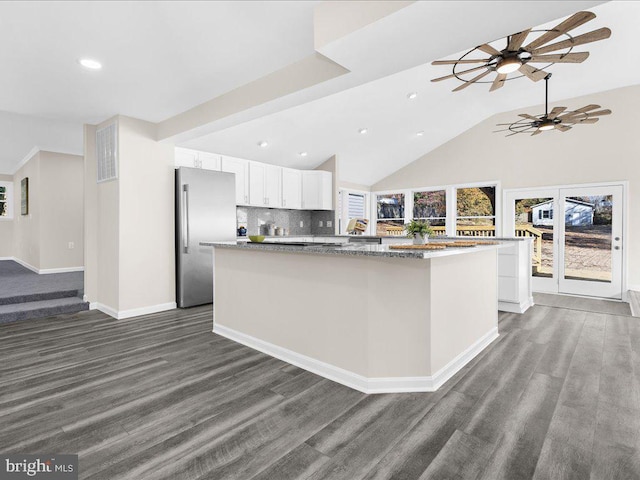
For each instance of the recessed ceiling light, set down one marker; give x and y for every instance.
(420, 133)
(303, 154)
(363, 131)
(90, 63)
(263, 144)
(412, 95)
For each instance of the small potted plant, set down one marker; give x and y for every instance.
(419, 230)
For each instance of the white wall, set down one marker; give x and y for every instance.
(6, 227)
(606, 151)
(41, 238)
(130, 266)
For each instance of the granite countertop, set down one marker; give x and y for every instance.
(351, 249)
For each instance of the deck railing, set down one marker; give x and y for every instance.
(490, 231)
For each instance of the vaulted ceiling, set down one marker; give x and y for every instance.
(163, 58)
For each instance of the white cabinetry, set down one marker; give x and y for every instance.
(514, 276)
(241, 168)
(317, 193)
(291, 188)
(186, 157)
(264, 185)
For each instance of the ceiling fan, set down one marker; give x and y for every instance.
(553, 119)
(518, 58)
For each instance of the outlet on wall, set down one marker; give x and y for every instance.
(329, 223)
(320, 223)
(301, 223)
(71, 245)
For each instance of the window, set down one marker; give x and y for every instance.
(431, 206)
(390, 210)
(476, 211)
(352, 204)
(6, 194)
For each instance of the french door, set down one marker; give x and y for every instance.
(577, 237)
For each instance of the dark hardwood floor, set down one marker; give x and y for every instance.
(557, 396)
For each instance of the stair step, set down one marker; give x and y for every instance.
(36, 297)
(41, 308)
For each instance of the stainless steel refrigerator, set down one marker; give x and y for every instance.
(205, 211)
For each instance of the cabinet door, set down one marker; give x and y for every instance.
(209, 161)
(311, 188)
(326, 191)
(186, 158)
(240, 167)
(272, 186)
(291, 188)
(257, 195)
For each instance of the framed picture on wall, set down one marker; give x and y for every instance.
(24, 196)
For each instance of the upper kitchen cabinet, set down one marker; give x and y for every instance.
(241, 168)
(317, 191)
(291, 188)
(264, 185)
(186, 157)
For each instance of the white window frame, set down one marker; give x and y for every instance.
(344, 213)
(10, 200)
(451, 199)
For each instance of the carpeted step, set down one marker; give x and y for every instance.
(41, 308)
(36, 297)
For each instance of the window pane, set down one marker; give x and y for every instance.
(356, 205)
(476, 211)
(3, 209)
(475, 202)
(391, 205)
(390, 228)
(430, 204)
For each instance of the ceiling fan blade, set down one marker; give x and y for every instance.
(555, 112)
(569, 24)
(464, 60)
(562, 128)
(498, 82)
(530, 117)
(473, 80)
(537, 132)
(589, 120)
(516, 40)
(532, 73)
(599, 112)
(458, 73)
(587, 108)
(594, 36)
(566, 58)
(488, 49)
(511, 134)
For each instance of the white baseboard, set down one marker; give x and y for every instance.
(134, 312)
(353, 380)
(513, 307)
(45, 271)
(6, 258)
(635, 288)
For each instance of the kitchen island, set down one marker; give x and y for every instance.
(370, 317)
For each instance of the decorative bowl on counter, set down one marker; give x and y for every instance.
(256, 238)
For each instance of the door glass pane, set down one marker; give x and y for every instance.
(390, 211)
(534, 218)
(476, 211)
(587, 243)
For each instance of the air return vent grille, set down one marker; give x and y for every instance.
(107, 153)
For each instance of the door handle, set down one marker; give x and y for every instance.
(617, 239)
(616, 247)
(185, 217)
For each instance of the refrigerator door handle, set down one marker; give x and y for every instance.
(185, 217)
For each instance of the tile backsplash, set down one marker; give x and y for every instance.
(257, 219)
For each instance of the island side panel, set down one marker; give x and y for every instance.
(464, 307)
(352, 312)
